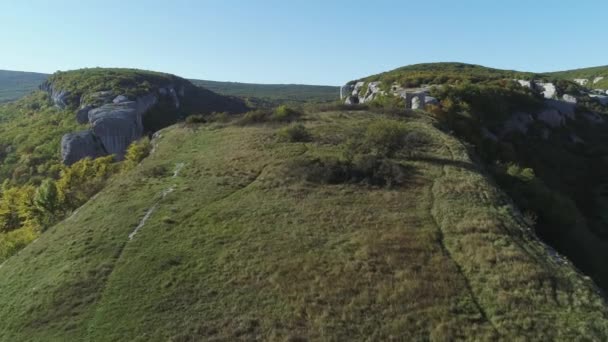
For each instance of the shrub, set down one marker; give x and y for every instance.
(367, 169)
(284, 113)
(136, 152)
(385, 137)
(294, 133)
(195, 119)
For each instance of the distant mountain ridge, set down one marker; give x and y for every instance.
(16, 84)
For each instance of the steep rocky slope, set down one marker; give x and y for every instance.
(228, 232)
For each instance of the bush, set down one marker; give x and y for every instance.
(136, 152)
(294, 133)
(367, 169)
(385, 137)
(195, 119)
(282, 113)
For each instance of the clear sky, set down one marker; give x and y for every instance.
(300, 41)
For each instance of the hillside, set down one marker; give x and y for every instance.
(548, 125)
(16, 84)
(240, 232)
(596, 77)
(273, 93)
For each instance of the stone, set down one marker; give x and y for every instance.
(576, 139)
(526, 84)
(120, 99)
(59, 97)
(351, 100)
(565, 108)
(581, 81)
(518, 122)
(346, 91)
(602, 99)
(552, 117)
(548, 90)
(569, 98)
(373, 90)
(429, 100)
(117, 125)
(79, 145)
(82, 115)
(415, 99)
(598, 79)
(357, 88)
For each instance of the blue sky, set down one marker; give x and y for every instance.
(299, 41)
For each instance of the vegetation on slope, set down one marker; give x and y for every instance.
(272, 94)
(586, 73)
(566, 200)
(16, 84)
(239, 242)
(30, 134)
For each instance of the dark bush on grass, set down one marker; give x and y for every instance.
(364, 169)
(294, 133)
(195, 119)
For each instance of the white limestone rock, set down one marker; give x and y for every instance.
(548, 90)
(581, 81)
(598, 79)
(569, 98)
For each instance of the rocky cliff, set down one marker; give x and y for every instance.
(127, 109)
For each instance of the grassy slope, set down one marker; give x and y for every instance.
(273, 92)
(16, 84)
(239, 251)
(588, 73)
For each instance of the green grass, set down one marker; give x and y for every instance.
(241, 250)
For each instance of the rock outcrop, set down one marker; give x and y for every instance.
(59, 97)
(414, 98)
(115, 124)
(79, 145)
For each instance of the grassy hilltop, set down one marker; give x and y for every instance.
(311, 222)
(256, 235)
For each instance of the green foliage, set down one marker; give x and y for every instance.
(294, 133)
(130, 82)
(85, 178)
(270, 95)
(47, 198)
(446, 73)
(588, 73)
(136, 152)
(282, 113)
(385, 137)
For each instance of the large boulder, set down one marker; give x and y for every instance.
(548, 90)
(602, 99)
(569, 98)
(117, 125)
(566, 108)
(518, 122)
(552, 117)
(581, 81)
(598, 79)
(79, 145)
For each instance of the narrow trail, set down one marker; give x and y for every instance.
(132, 235)
(446, 250)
